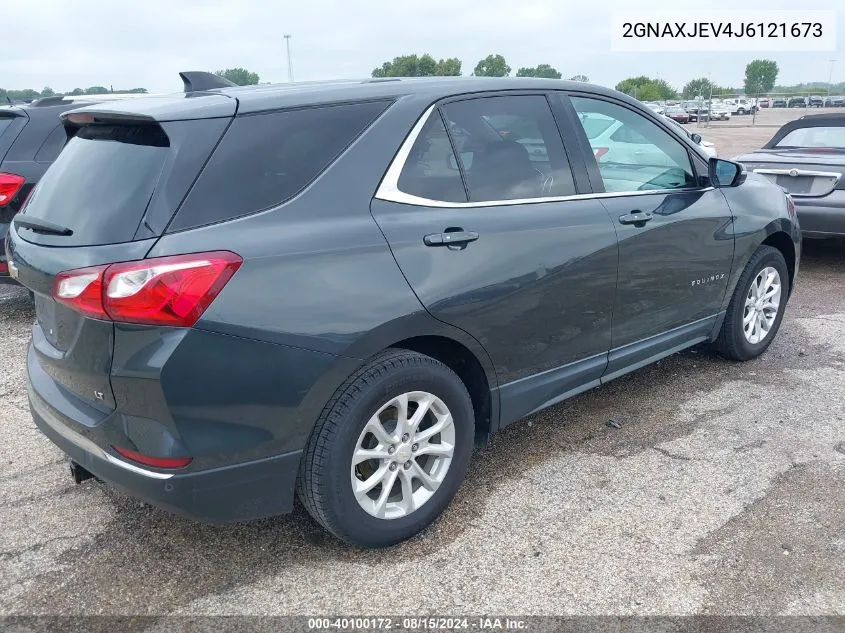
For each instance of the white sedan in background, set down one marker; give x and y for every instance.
(708, 146)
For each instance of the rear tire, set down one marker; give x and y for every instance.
(368, 433)
(756, 309)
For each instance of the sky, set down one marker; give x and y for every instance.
(66, 45)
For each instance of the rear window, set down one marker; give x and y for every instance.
(815, 137)
(266, 159)
(100, 185)
(5, 122)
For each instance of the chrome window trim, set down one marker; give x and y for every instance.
(389, 188)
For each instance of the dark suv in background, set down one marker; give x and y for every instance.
(31, 137)
(339, 288)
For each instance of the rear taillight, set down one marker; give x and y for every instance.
(157, 462)
(4, 267)
(171, 291)
(600, 151)
(10, 184)
(790, 206)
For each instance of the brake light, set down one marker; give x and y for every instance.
(10, 184)
(172, 291)
(4, 267)
(156, 462)
(600, 151)
(790, 206)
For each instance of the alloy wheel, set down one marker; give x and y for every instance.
(762, 304)
(402, 455)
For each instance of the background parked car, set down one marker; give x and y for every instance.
(677, 113)
(816, 101)
(719, 112)
(797, 102)
(707, 147)
(807, 158)
(779, 102)
(32, 136)
(834, 101)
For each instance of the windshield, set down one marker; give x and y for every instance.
(815, 137)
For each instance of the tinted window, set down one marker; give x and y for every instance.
(4, 123)
(595, 125)
(266, 159)
(814, 137)
(101, 183)
(431, 170)
(509, 148)
(52, 145)
(638, 155)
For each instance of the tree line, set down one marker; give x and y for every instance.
(494, 65)
(29, 94)
(240, 76)
(760, 78)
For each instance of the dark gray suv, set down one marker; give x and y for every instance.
(338, 289)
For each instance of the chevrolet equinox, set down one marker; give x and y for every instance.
(335, 290)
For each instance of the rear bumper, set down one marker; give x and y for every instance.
(822, 217)
(227, 494)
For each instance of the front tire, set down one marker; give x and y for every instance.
(756, 309)
(389, 451)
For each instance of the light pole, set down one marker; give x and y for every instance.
(830, 76)
(290, 64)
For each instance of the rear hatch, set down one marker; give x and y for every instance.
(803, 173)
(107, 198)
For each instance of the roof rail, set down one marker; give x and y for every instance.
(198, 80)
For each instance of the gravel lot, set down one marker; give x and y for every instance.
(723, 491)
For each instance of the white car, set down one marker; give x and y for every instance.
(614, 142)
(720, 112)
(708, 147)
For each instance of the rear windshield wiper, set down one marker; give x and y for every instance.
(41, 226)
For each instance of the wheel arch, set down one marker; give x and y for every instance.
(783, 242)
(455, 348)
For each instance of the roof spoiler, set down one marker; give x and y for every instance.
(199, 80)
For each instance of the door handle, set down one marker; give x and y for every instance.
(450, 238)
(636, 217)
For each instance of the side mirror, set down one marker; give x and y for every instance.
(725, 173)
(696, 138)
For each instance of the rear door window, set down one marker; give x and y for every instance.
(100, 185)
(266, 159)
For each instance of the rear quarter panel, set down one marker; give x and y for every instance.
(319, 289)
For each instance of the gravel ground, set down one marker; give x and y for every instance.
(721, 492)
